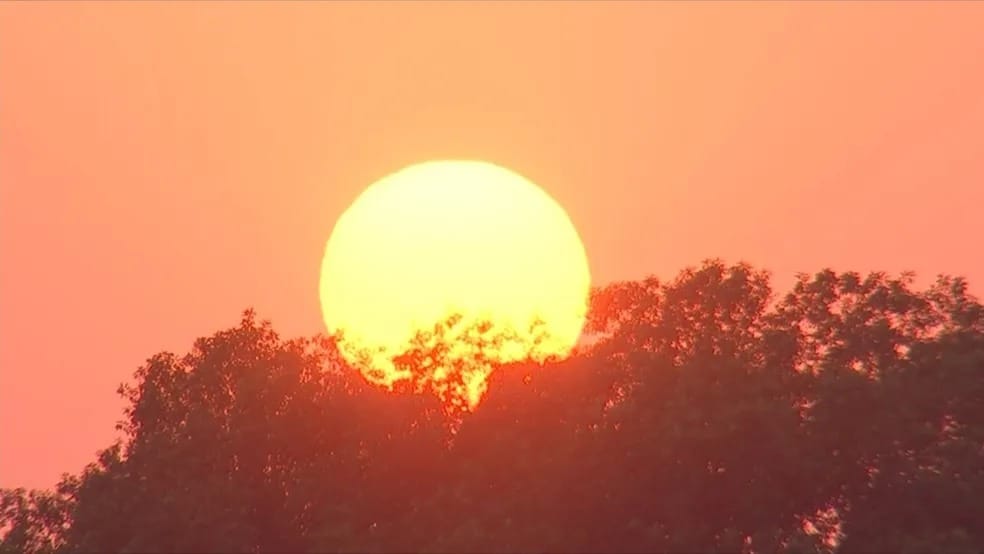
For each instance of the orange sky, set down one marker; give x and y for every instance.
(163, 167)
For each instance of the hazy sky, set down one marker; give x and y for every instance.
(164, 166)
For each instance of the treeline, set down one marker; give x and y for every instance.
(707, 415)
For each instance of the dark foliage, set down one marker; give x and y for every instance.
(707, 415)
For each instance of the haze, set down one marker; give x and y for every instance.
(164, 166)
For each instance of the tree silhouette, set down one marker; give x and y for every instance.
(706, 414)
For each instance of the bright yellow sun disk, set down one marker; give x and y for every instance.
(448, 237)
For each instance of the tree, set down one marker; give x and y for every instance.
(34, 521)
(705, 414)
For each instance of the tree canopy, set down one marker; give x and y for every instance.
(705, 414)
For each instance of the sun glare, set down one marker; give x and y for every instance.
(453, 237)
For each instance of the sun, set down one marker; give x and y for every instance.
(443, 238)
